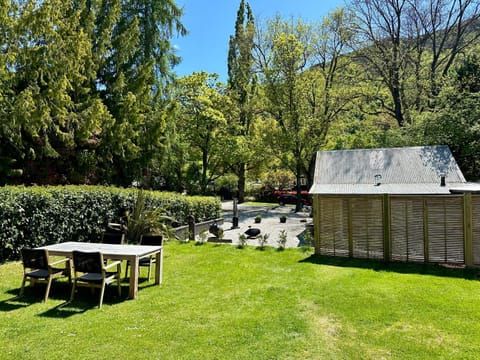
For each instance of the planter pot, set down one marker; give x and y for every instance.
(258, 220)
(283, 220)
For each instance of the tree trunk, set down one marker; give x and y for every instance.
(241, 182)
(397, 101)
(298, 187)
(311, 170)
(204, 172)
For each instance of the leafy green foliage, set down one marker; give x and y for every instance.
(203, 114)
(87, 93)
(242, 241)
(81, 84)
(144, 220)
(262, 241)
(282, 240)
(242, 87)
(457, 125)
(37, 216)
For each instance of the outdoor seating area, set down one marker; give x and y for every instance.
(38, 268)
(94, 265)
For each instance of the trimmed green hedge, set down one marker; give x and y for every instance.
(37, 216)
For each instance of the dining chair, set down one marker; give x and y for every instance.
(38, 269)
(113, 238)
(150, 240)
(91, 271)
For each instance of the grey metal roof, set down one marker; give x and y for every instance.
(409, 170)
(465, 188)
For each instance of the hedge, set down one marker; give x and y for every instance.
(38, 216)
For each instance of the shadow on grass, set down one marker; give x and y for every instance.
(33, 295)
(68, 309)
(398, 267)
(15, 303)
(85, 300)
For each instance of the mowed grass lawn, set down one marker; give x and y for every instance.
(220, 302)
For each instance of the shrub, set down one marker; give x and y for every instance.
(202, 237)
(282, 239)
(37, 216)
(262, 241)
(143, 220)
(242, 240)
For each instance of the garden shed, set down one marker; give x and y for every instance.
(404, 204)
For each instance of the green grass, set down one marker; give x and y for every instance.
(220, 302)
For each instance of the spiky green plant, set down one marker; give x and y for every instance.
(145, 220)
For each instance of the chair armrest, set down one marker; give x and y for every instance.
(112, 264)
(59, 261)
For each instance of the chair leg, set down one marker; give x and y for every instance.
(72, 294)
(22, 288)
(68, 269)
(47, 291)
(149, 269)
(126, 269)
(102, 291)
(119, 275)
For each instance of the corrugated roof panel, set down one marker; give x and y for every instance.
(412, 165)
(370, 189)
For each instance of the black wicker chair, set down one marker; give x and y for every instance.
(37, 268)
(113, 238)
(151, 240)
(91, 271)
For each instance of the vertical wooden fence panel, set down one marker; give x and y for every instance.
(333, 226)
(407, 232)
(367, 227)
(316, 222)
(476, 229)
(423, 228)
(445, 229)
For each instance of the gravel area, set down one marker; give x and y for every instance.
(295, 226)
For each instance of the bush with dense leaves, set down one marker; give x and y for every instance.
(37, 216)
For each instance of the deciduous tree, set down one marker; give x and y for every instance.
(203, 115)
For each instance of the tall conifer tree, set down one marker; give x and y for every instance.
(241, 79)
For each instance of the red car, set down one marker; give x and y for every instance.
(290, 199)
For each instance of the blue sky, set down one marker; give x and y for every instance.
(211, 22)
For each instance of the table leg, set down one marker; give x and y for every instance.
(159, 267)
(133, 289)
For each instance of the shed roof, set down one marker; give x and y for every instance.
(409, 170)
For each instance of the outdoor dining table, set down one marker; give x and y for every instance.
(131, 253)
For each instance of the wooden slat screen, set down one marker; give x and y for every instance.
(367, 227)
(333, 226)
(445, 230)
(476, 229)
(407, 232)
(423, 228)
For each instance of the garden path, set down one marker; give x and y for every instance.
(295, 226)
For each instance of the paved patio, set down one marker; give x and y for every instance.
(294, 227)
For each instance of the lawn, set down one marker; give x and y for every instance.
(221, 302)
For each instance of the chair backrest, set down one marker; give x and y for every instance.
(153, 240)
(35, 258)
(87, 262)
(113, 238)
